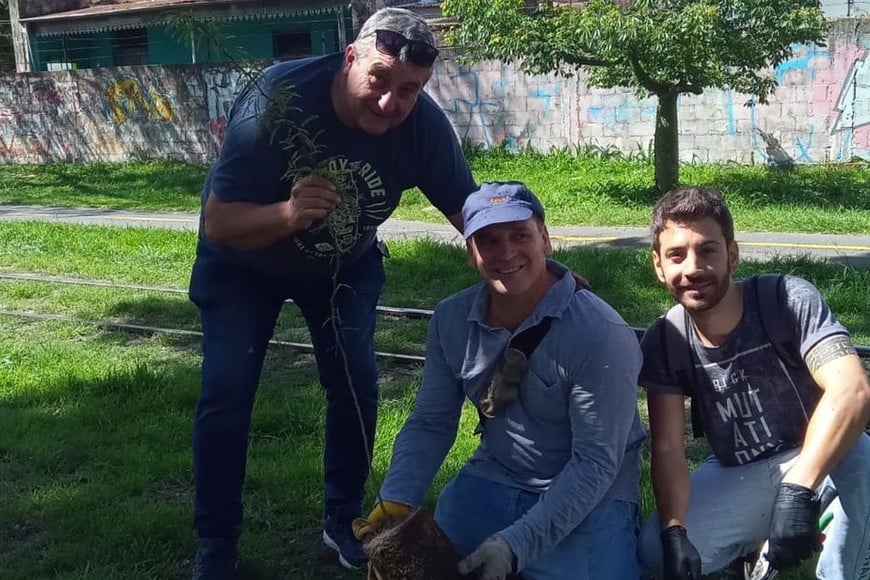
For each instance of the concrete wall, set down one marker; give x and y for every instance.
(106, 115)
(821, 111)
(845, 8)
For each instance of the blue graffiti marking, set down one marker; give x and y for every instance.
(803, 150)
(546, 96)
(732, 124)
(610, 117)
(755, 144)
(846, 145)
(802, 62)
(468, 110)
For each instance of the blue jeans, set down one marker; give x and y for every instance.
(730, 509)
(238, 310)
(471, 509)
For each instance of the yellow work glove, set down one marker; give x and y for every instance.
(382, 513)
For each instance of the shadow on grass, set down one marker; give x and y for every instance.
(630, 183)
(825, 187)
(101, 446)
(98, 455)
(142, 185)
(424, 272)
(842, 186)
(623, 278)
(157, 310)
(639, 197)
(97, 469)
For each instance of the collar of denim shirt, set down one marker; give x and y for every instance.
(553, 304)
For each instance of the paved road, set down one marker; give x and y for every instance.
(852, 249)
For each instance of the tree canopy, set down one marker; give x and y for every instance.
(660, 48)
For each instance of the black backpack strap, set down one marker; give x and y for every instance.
(772, 304)
(580, 282)
(678, 355)
(528, 340)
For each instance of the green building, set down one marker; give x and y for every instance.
(156, 32)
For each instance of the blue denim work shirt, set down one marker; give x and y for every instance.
(574, 435)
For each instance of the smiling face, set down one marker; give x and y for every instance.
(512, 257)
(379, 91)
(695, 263)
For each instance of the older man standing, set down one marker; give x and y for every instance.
(316, 156)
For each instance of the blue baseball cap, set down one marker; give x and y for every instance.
(499, 202)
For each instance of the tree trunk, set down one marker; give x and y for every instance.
(667, 146)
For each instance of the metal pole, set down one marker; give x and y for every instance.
(342, 36)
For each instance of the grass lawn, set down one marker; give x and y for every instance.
(584, 190)
(95, 454)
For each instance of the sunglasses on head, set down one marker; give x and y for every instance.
(391, 43)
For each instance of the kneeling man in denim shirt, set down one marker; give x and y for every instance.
(552, 490)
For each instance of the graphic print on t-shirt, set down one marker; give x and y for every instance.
(364, 201)
(363, 206)
(741, 407)
(751, 400)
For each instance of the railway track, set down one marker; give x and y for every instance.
(393, 311)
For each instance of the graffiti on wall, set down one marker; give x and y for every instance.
(29, 107)
(820, 111)
(127, 101)
(459, 95)
(620, 110)
(853, 106)
(478, 103)
(821, 108)
(221, 87)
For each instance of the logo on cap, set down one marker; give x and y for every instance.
(498, 199)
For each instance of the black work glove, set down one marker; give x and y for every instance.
(794, 526)
(682, 560)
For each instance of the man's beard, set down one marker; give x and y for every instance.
(712, 296)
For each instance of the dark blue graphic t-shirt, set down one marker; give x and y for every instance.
(283, 126)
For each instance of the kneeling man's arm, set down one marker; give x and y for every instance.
(430, 431)
(602, 407)
(669, 469)
(841, 415)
